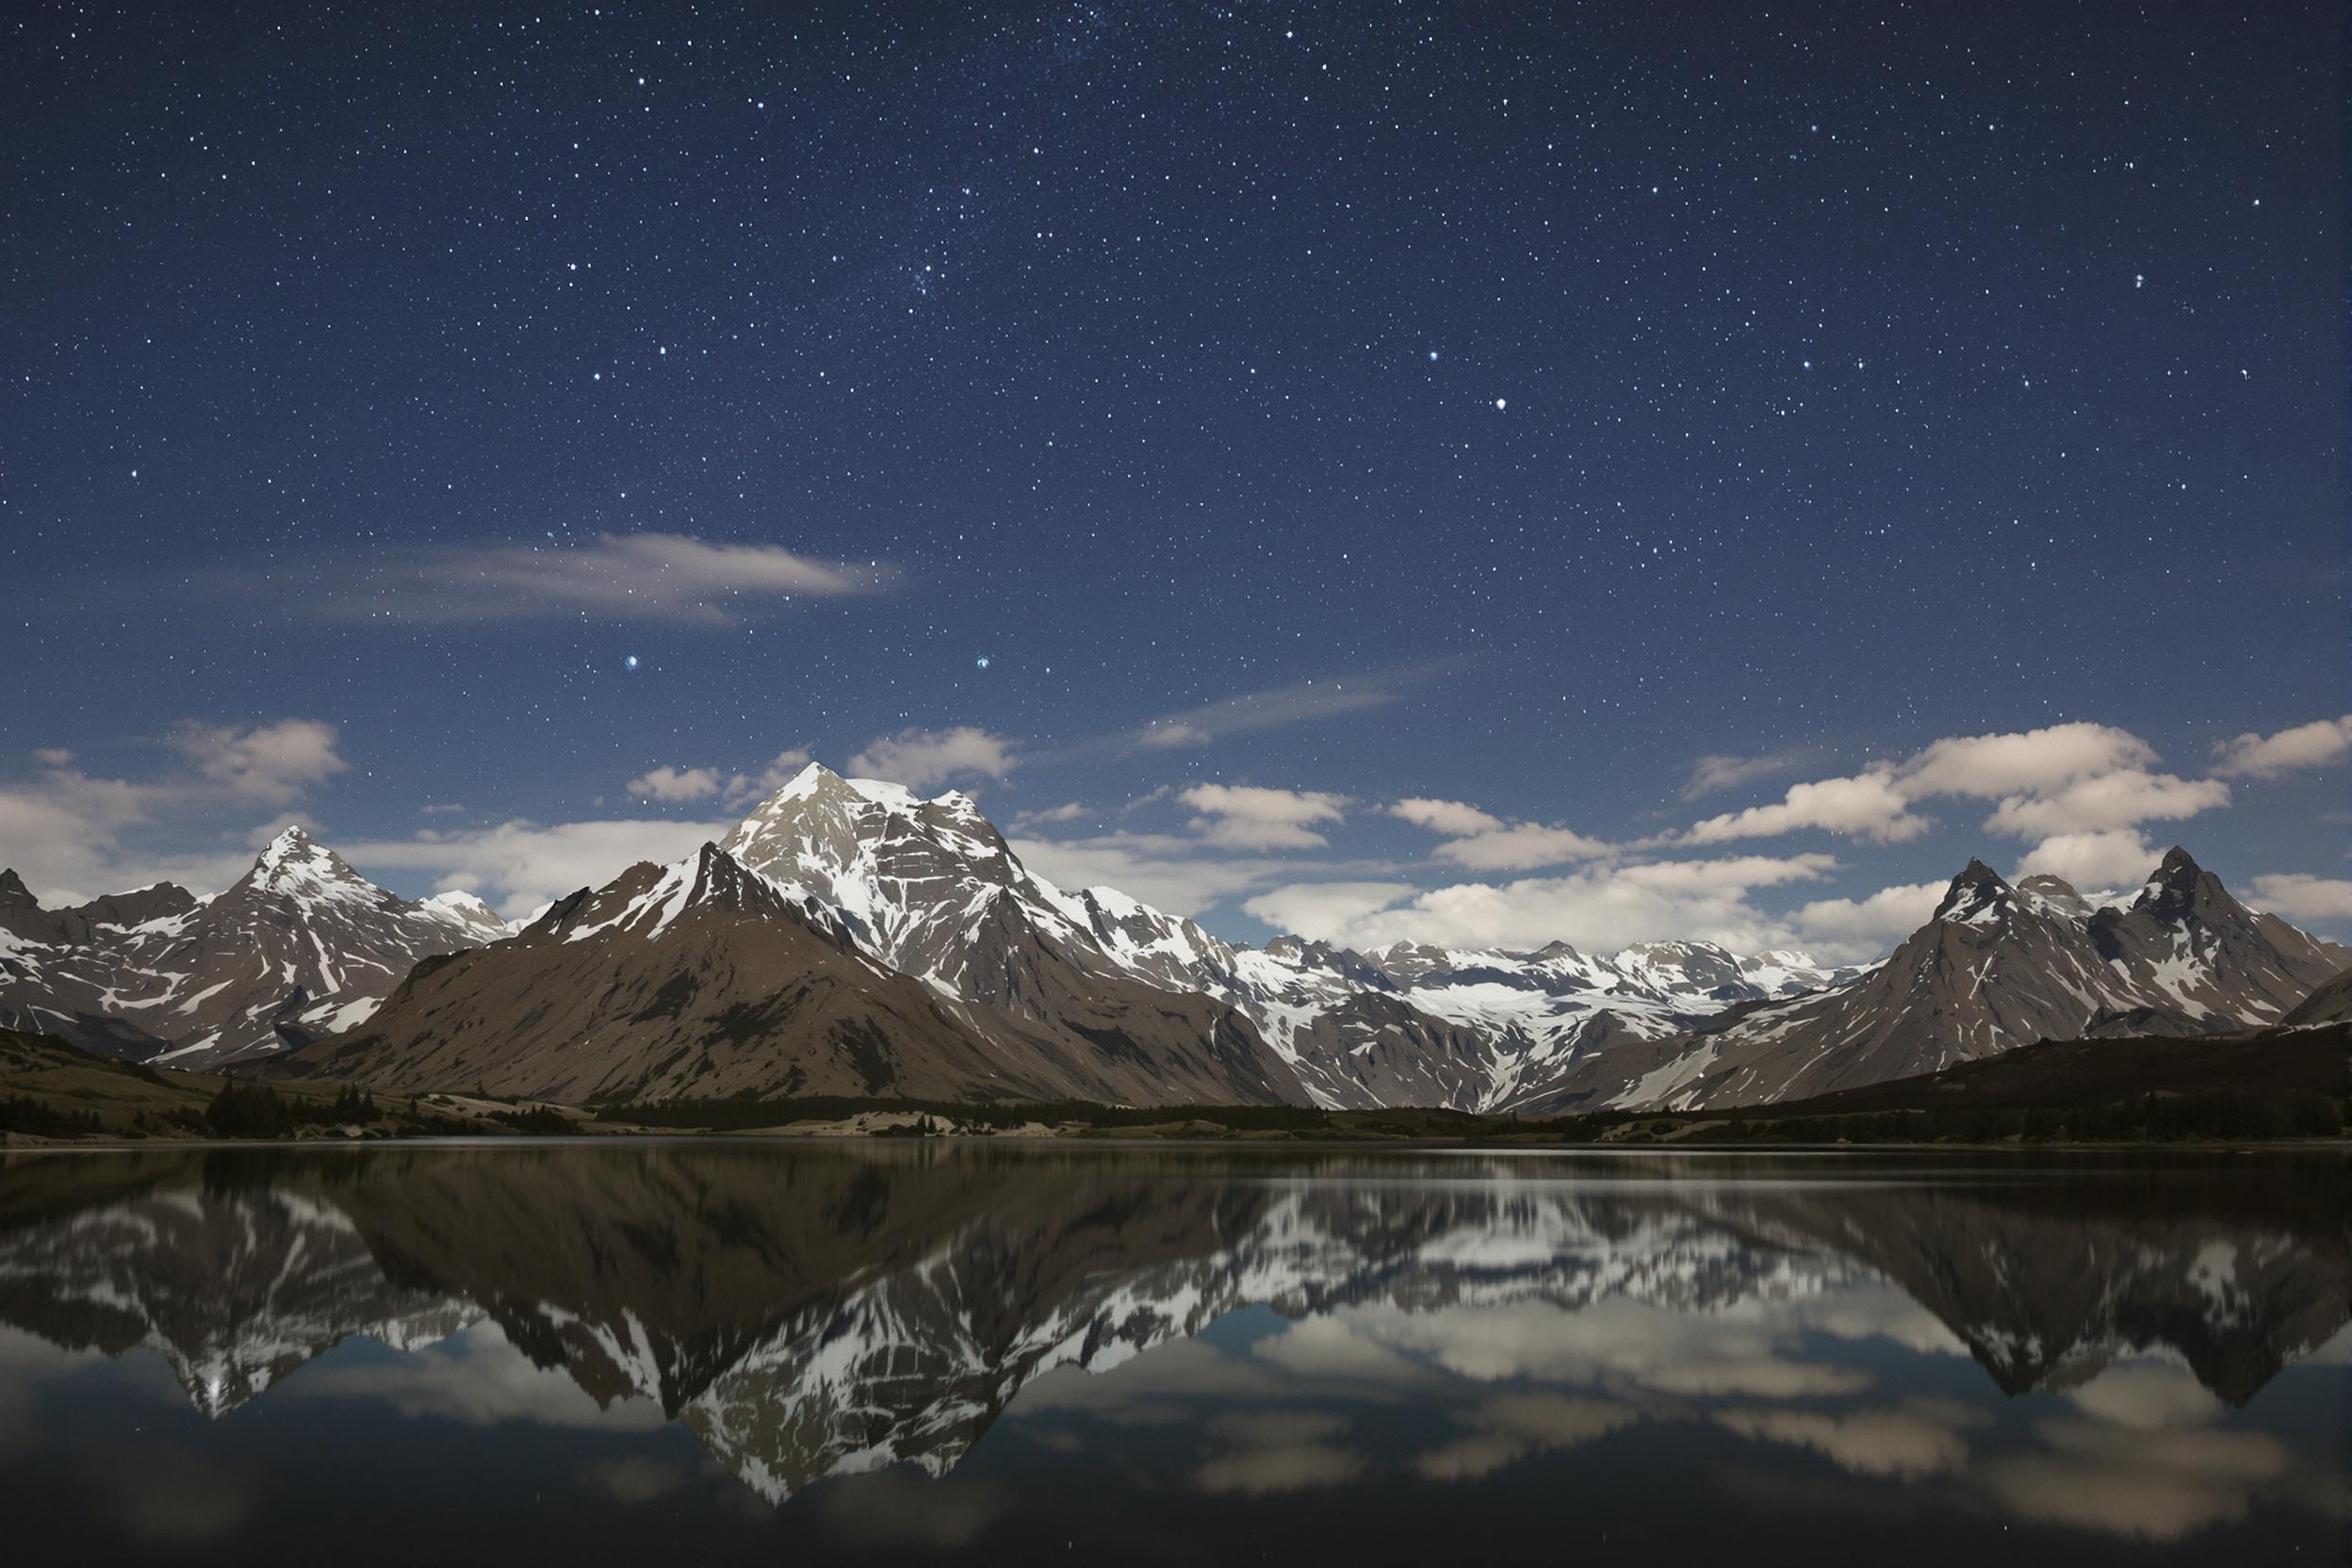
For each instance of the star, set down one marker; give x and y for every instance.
(630, 662)
(982, 661)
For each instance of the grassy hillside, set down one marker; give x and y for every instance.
(2264, 1083)
(53, 1091)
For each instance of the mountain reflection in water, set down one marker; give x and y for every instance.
(1330, 1344)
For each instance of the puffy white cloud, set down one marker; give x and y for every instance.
(519, 865)
(1452, 819)
(2028, 761)
(274, 762)
(2115, 858)
(1164, 869)
(2060, 779)
(1249, 816)
(670, 578)
(1868, 805)
(1521, 846)
(668, 785)
(2306, 745)
(1313, 907)
(1601, 907)
(2298, 895)
(1872, 924)
(2105, 803)
(72, 836)
(921, 758)
(1718, 771)
(1481, 840)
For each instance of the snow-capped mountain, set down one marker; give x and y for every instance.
(1997, 966)
(850, 937)
(932, 889)
(706, 979)
(300, 947)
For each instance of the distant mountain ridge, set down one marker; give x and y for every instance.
(297, 948)
(1997, 967)
(849, 936)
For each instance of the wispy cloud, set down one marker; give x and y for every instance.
(1247, 816)
(519, 865)
(1281, 706)
(669, 578)
(2306, 745)
(920, 759)
(1719, 771)
(1168, 870)
(1601, 907)
(73, 835)
(667, 785)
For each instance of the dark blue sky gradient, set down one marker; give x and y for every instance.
(1606, 385)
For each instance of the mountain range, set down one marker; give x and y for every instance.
(851, 938)
(300, 947)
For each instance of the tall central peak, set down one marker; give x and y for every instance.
(2174, 887)
(1976, 895)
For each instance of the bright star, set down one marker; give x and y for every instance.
(631, 661)
(1502, 403)
(982, 661)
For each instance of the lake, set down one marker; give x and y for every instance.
(714, 1350)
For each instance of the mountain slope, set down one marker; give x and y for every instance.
(931, 888)
(298, 947)
(706, 979)
(1995, 967)
(2329, 1002)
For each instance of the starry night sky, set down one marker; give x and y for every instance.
(1510, 405)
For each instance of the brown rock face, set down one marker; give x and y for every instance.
(301, 946)
(1996, 968)
(703, 980)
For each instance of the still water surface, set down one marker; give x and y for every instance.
(709, 1351)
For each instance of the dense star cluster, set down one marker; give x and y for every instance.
(1214, 433)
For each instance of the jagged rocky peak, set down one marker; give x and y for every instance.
(818, 821)
(157, 901)
(2177, 886)
(1977, 896)
(1693, 957)
(20, 911)
(1406, 962)
(465, 908)
(294, 860)
(1555, 953)
(2054, 894)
